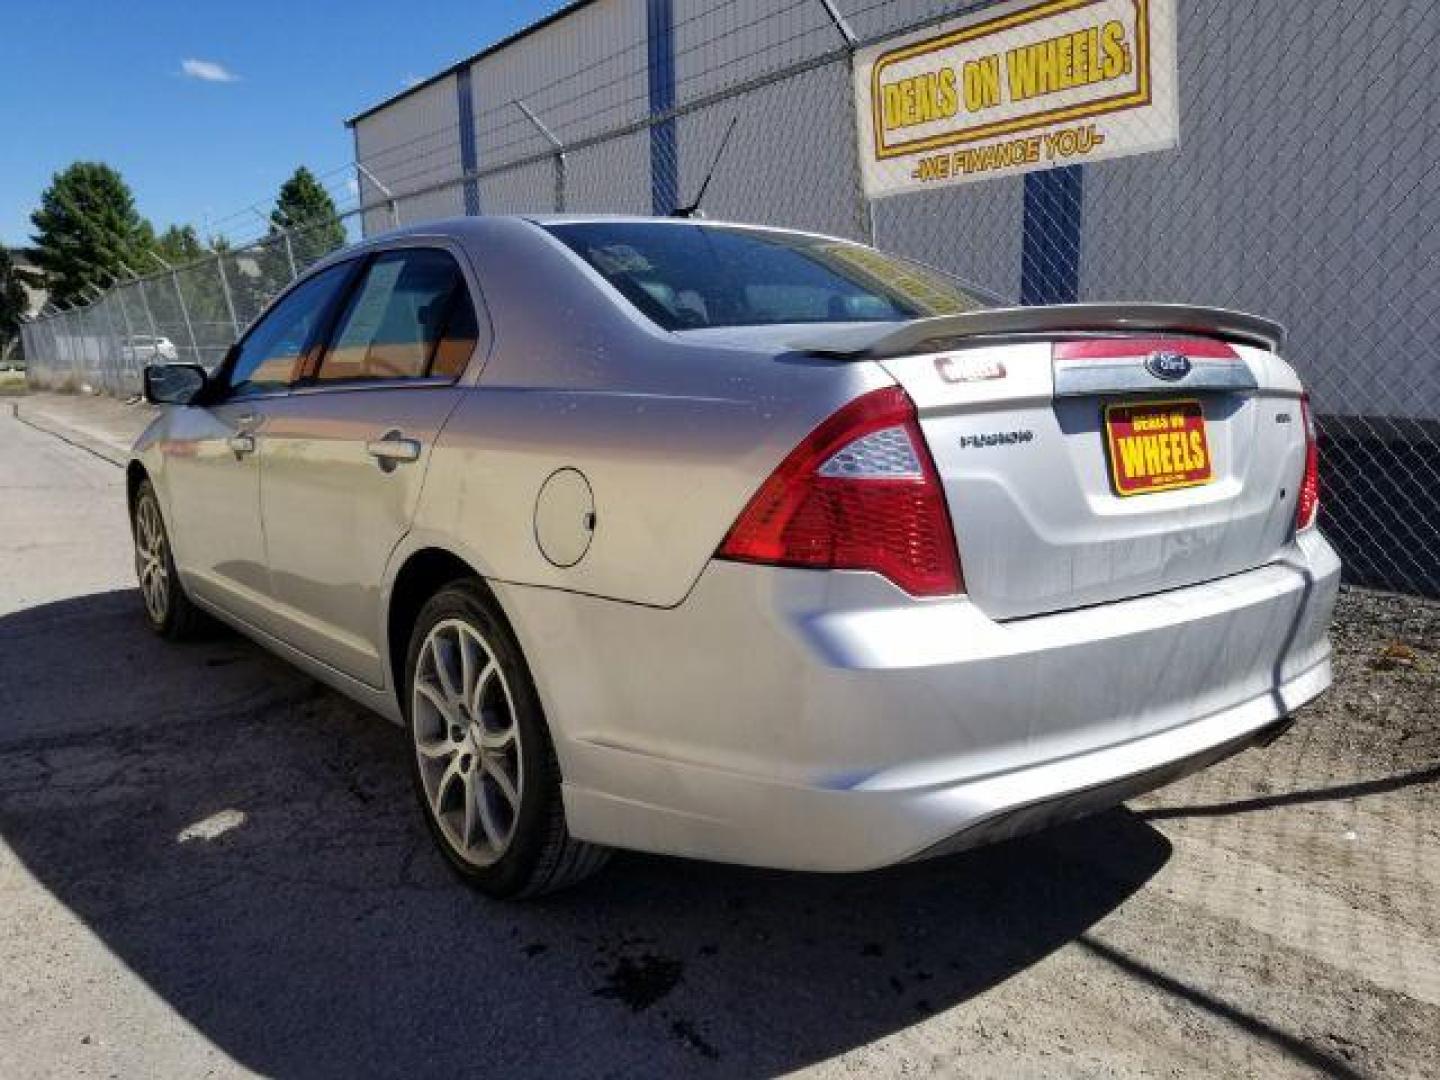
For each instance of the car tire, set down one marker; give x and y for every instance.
(482, 760)
(167, 609)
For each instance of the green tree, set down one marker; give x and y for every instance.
(180, 244)
(86, 227)
(13, 299)
(305, 210)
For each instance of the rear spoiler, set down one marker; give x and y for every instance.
(879, 341)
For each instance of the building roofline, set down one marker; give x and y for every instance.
(505, 42)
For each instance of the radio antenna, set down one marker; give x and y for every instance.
(694, 208)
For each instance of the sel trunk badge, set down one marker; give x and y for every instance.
(1170, 366)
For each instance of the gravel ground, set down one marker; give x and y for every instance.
(1386, 701)
(209, 865)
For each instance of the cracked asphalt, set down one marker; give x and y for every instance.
(209, 865)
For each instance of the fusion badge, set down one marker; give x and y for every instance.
(1157, 446)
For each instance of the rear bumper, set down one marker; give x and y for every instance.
(822, 721)
(1015, 818)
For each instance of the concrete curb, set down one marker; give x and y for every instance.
(107, 449)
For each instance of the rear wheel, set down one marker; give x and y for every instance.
(167, 609)
(483, 763)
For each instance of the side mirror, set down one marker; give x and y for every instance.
(173, 384)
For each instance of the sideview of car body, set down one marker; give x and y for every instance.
(777, 550)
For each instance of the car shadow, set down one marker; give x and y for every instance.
(246, 843)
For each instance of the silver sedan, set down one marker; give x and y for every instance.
(744, 544)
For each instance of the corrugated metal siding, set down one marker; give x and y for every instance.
(719, 45)
(872, 18)
(522, 190)
(1292, 199)
(612, 177)
(411, 145)
(582, 75)
(1268, 176)
(781, 166)
(974, 231)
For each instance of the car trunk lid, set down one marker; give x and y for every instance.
(1092, 453)
(1084, 467)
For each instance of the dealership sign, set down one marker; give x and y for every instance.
(1017, 87)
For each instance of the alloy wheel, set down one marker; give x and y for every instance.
(467, 742)
(152, 559)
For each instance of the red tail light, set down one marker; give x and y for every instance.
(859, 493)
(1308, 504)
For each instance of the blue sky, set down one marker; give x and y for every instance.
(106, 80)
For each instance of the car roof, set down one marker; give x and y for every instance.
(478, 225)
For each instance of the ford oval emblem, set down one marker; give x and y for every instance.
(1170, 366)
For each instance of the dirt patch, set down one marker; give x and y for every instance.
(1385, 705)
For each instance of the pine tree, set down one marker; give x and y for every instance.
(305, 209)
(86, 228)
(180, 244)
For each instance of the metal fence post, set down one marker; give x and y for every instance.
(96, 344)
(390, 202)
(117, 291)
(185, 314)
(558, 147)
(852, 42)
(229, 300)
(67, 349)
(108, 304)
(180, 298)
(290, 255)
(149, 314)
(149, 317)
(82, 345)
(101, 361)
(144, 300)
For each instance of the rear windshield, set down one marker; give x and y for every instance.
(687, 276)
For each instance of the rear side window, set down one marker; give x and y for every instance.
(271, 354)
(410, 316)
(687, 276)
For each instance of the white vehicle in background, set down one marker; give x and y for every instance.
(148, 349)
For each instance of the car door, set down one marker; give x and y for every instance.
(211, 465)
(344, 454)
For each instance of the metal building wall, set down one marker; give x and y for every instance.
(781, 165)
(410, 145)
(1221, 221)
(581, 75)
(1305, 211)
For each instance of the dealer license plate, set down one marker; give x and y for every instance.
(1157, 446)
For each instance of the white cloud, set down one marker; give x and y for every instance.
(207, 71)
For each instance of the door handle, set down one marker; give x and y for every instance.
(393, 449)
(241, 444)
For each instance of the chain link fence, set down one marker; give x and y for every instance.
(1306, 188)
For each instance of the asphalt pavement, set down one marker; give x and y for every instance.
(209, 865)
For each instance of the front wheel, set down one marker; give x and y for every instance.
(483, 763)
(167, 609)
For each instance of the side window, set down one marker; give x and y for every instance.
(271, 354)
(409, 317)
